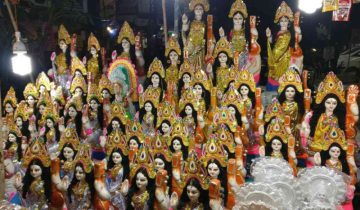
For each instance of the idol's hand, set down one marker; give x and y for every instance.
(268, 32)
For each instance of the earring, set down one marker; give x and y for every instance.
(178, 62)
(168, 61)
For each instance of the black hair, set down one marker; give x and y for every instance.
(205, 95)
(142, 113)
(160, 127)
(112, 96)
(124, 162)
(8, 144)
(339, 112)
(45, 177)
(119, 49)
(134, 138)
(67, 53)
(342, 158)
(237, 115)
(39, 116)
(100, 114)
(194, 113)
(292, 40)
(184, 148)
(168, 61)
(217, 64)
(222, 178)
(61, 155)
(181, 83)
(25, 128)
(299, 99)
(78, 122)
(47, 129)
(251, 95)
(98, 57)
(204, 194)
(8, 102)
(134, 188)
(168, 168)
(110, 128)
(284, 148)
(162, 84)
(83, 96)
(89, 178)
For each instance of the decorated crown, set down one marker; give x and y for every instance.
(276, 129)
(36, 150)
(93, 94)
(223, 45)
(204, 3)
(134, 128)
(159, 146)
(13, 128)
(224, 116)
(59, 96)
(76, 101)
(42, 79)
(84, 157)
(330, 85)
(201, 77)
(78, 82)
(143, 159)
(126, 32)
(50, 113)
(213, 150)
(151, 94)
(22, 111)
(92, 41)
(186, 67)
(30, 90)
(232, 76)
(173, 44)
(76, 64)
(44, 99)
(194, 169)
(334, 135)
(63, 34)
(116, 139)
(238, 6)
(226, 138)
(291, 77)
(156, 66)
(69, 135)
(117, 110)
(246, 77)
(189, 97)
(231, 97)
(165, 112)
(179, 130)
(274, 110)
(284, 10)
(10, 97)
(105, 83)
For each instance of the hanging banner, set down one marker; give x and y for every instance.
(330, 5)
(343, 13)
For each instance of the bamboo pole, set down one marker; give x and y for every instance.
(165, 22)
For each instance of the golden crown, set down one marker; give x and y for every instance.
(246, 77)
(194, 169)
(231, 97)
(189, 97)
(186, 67)
(36, 150)
(143, 159)
(94, 93)
(238, 6)
(50, 112)
(224, 116)
(134, 128)
(69, 135)
(226, 138)
(13, 128)
(179, 130)
(150, 94)
(156, 66)
(76, 101)
(30, 90)
(42, 79)
(284, 10)
(274, 110)
(165, 112)
(59, 96)
(334, 135)
(92, 41)
(330, 85)
(173, 44)
(78, 82)
(223, 45)
(105, 83)
(117, 110)
(44, 99)
(22, 111)
(10, 97)
(276, 129)
(76, 64)
(63, 34)
(213, 150)
(201, 77)
(126, 32)
(232, 76)
(159, 146)
(291, 77)
(204, 3)
(116, 139)
(84, 157)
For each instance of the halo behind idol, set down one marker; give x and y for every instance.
(268, 167)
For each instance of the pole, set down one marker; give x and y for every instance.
(176, 16)
(165, 23)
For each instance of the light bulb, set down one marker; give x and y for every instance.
(21, 64)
